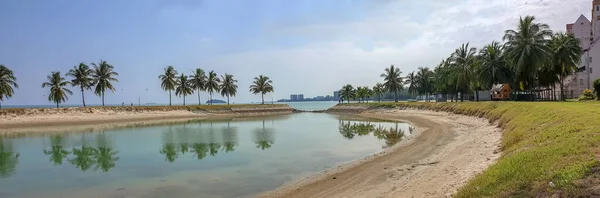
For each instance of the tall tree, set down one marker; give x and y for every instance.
(167, 80)
(8, 82)
(393, 81)
(212, 84)
(462, 62)
(198, 80)
(82, 77)
(411, 81)
(526, 50)
(493, 65)
(566, 55)
(424, 81)
(228, 86)
(184, 87)
(378, 91)
(261, 85)
(347, 92)
(103, 75)
(58, 90)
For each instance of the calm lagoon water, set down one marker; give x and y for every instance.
(312, 106)
(225, 158)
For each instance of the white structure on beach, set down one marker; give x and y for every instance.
(588, 33)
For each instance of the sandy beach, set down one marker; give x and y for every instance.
(448, 151)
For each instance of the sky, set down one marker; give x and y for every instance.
(305, 46)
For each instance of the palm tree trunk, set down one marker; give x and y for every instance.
(227, 99)
(169, 97)
(262, 97)
(57, 105)
(102, 98)
(210, 94)
(184, 100)
(0, 105)
(396, 96)
(82, 97)
(562, 93)
(198, 91)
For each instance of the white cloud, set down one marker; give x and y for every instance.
(357, 51)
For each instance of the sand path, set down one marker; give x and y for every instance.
(449, 150)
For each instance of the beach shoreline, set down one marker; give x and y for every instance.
(446, 152)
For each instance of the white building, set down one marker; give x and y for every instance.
(588, 33)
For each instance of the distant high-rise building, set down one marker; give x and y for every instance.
(293, 97)
(300, 96)
(336, 95)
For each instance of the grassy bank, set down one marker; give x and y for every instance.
(205, 108)
(543, 142)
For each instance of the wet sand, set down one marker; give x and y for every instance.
(448, 151)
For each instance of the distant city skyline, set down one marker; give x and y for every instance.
(307, 46)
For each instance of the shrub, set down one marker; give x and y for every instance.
(587, 95)
(597, 88)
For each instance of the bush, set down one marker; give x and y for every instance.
(587, 95)
(597, 88)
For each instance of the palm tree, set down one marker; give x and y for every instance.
(566, 53)
(198, 81)
(392, 80)
(411, 81)
(184, 87)
(212, 84)
(228, 86)
(8, 81)
(58, 91)
(103, 74)
(82, 77)
(262, 85)
(424, 81)
(462, 62)
(359, 93)
(378, 90)
(347, 92)
(526, 50)
(168, 81)
(493, 65)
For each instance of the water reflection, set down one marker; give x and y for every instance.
(383, 131)
(99, 155)
(264, 137)
(8, 158)
(201, 140)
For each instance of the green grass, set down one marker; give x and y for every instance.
(541, 142)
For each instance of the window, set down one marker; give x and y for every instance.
(581, 81)
(597, 8)
(591, 59)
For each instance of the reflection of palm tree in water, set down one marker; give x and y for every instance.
(83, 157)
(8, 158)
(169, 148)
(264, 137)
(105, 155)
(391, 135)
(57, 152)
(213, 146)
(229, 138)
(346, 129)
(200, 150)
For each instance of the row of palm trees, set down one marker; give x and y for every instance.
(199, 81)
(533, 59)
(99, 78)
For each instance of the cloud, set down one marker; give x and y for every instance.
(357, 51)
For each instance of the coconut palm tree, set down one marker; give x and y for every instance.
(212, 84)
(184, 87)
(228, 87)
(392, 80)
(411, 81)
(462, 62)
(424, 80)
(347, 92)
(198, 82)
(103, 75)
(168, 81)
(378, 90)
(493, 65)
(526, 50)
(82, 77)
(58, 90)
(261, 85)
(8, 82)
(566, 55)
